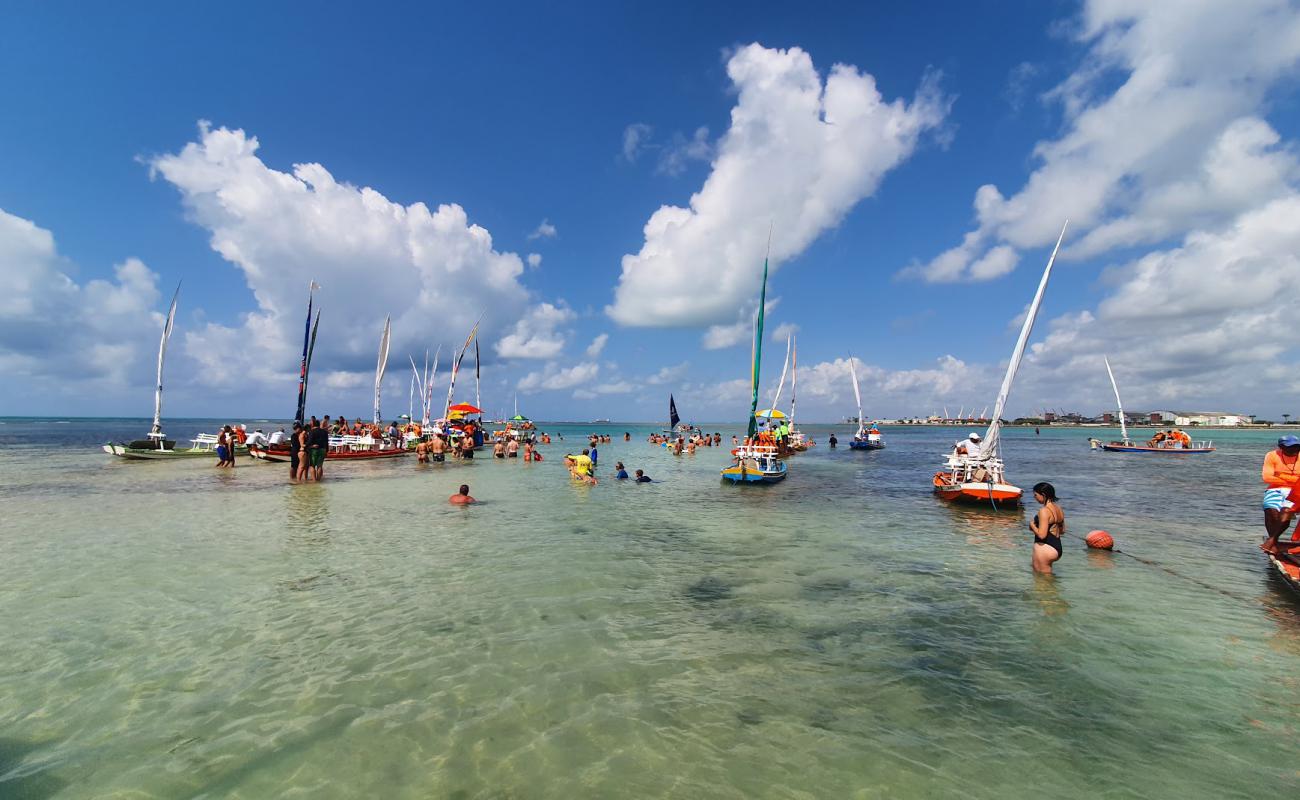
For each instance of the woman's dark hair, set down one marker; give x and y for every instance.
(1045, 489)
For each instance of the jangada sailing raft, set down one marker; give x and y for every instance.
(975, 473)
(341, 448)
(756, 460)
(156, 446)
(1175, 442)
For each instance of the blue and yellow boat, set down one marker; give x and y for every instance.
(756, 461)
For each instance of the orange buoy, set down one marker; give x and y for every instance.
(1099, 540)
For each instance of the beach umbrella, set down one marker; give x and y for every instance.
(770, 413)
(520, 418)
(466, 408)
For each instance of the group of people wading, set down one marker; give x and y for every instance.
(682, 444)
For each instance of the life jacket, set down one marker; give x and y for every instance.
(241, 435)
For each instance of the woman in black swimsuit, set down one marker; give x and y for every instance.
(1048, 527)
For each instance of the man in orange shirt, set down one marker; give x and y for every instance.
(1281, 474)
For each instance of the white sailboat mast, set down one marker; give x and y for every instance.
(990, 445)
(857, 395)
(784, 369)
(382, 365)
(794, 376)
(162, 352)
(1123, 424)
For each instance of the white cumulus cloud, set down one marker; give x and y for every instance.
(553, 377)
(536, 334)
(62, 342)
(799, 154)
(1177, 144)
(597, 345)
(433, 271)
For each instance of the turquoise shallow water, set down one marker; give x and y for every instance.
(175, 631)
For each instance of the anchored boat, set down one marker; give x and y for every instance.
(156, 445)
(755, 461)
(867, 438)
(980, 477)
(1177, 444)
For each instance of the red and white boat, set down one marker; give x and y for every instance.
(982, 478)
(1287, 564)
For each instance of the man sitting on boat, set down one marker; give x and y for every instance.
(969, 447)
(1281, 475)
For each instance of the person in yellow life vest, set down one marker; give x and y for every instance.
(580, 467)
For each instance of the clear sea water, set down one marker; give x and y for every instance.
(171, 630)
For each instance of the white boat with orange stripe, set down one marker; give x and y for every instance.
(981, 477)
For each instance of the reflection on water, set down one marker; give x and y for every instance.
(843, 633)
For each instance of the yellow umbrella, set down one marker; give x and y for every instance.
(770, 413)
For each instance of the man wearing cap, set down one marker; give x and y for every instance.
(970, 447)
(1281, 474)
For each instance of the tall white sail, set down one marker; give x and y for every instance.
(428, 389)
(990, 446)
(794, 377)
(1123, 425)
(857, 395)
(162, 352)
(381, 366)
(784, 369)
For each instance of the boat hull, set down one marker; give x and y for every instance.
(855, 445)
(281, 455)
(736, 474)
(1288, 568)
(1118, 447)
(142, 454)
(975, 493)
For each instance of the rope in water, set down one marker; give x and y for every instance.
(1176, 574)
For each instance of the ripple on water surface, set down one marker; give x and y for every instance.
(178, 631)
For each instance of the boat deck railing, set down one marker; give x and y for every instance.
(962, 468)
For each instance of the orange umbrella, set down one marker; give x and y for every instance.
(466, 408)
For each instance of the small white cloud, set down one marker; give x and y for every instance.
(635, 139)
(534, 260)
(535, 335)
(784, 331)
(668, 374)
(597, 345)
(552, 377)
(682, 151)
(544, 230)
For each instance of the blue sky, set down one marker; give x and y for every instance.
(138, 149)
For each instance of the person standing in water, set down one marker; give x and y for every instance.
(1048, 526)
(833, 441)
(295, 451)
(1281, 475)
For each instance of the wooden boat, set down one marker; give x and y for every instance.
(342, 448)
(1287, 564)
(981, 478)
(757, 462)
(203, 445)
(866, 438)
(1160, 446)
(156, 445)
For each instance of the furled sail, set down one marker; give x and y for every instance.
(382, 366)
(990, 445)
(162, 352)
(1123, 424)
